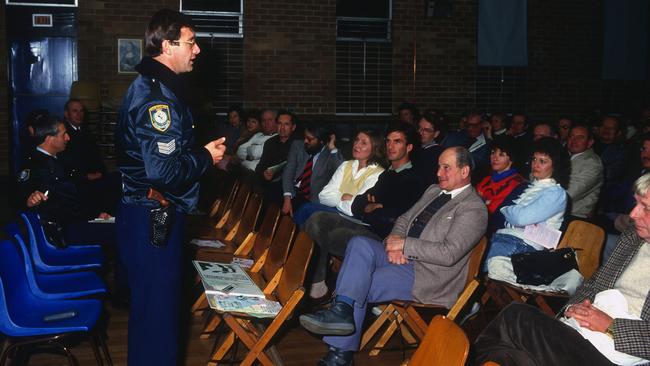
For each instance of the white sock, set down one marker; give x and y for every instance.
(318, 289)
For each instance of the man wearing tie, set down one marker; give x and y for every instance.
(424, 258)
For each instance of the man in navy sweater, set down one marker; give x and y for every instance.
(375, 210)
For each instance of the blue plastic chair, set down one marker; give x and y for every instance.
(53, 285)
(26, 320)
(50, 259)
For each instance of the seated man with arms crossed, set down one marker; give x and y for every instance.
(424, 258)
(396, 190)
(523, 335)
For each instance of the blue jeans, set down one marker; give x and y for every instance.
(306, 210)
(506, 245)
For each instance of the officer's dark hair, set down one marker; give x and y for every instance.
(463, 158)
(45, 125)
(166, 24)
(294, 119)
(322, 133)
(72, 100)
(410, 136)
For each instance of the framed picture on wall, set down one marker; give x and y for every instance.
(129, 53)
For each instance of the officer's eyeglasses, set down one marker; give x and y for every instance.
(178, 43)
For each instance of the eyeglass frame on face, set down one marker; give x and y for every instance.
(178, 43)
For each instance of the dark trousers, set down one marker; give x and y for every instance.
(523, 335)
(154, 276)
(331, 233)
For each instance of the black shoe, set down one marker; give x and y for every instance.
(337, 320)
(337, 357)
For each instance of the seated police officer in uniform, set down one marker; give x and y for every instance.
(46, 188)
(154, 143)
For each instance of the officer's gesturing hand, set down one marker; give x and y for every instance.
(216, 149)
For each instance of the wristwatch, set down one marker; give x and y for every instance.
(610, 330)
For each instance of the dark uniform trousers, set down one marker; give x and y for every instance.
(154, 276)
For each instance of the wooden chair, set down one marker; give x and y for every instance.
(404, 314)
(266, 269)
(444, 344)
(288, 290)
(586, 238)
(224, 229)
(261, 239)
(244, 236)
(222, 202)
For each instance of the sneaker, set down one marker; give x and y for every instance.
(338, 320)
(337, 357)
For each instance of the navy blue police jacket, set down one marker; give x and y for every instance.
(154, 140)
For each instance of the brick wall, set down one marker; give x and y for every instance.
(289, 56)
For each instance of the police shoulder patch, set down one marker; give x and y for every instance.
(23, 176)
(160, 117)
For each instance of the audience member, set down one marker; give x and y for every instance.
(274, 157)
(544, 129)
(543, 201)
(608, 316)
(252, 127)
(425, 155)
(424, 258)
(310, 166)
(479, 146)
(501, 183)
(250, 152)
(497, 125)
(564, 124)
(586, 176)
(611, 149)
(350, 178)
(396, 190)
(232, 128)
(407, 113)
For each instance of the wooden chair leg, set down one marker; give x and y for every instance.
(248, 340)
(414, 320)
(215, 320)
(223, 349)
(376, 325)
(381, 343)
(200, 305)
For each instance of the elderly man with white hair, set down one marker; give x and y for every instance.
(606, 322)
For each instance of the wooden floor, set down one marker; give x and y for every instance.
(297, 347)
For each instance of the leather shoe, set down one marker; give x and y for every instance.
(336, 357)
(338, 320)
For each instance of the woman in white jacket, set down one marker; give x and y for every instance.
(542, 202)
(350, 178)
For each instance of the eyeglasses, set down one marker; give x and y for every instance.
(424, 129)
(178, 42)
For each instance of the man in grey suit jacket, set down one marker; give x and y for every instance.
(318, 144)
(424, 258)
(523, 335)
(586, 172)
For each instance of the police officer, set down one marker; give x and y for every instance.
(154, 144)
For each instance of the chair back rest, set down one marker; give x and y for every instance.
(588, 239)
(279, 248)
(249, 218)
(14, 277)
(444, 344)
(475, 259)
(295, 269)
(266, 230)
(226, 198)
(237, 208)
(13, 230)
(36, 236)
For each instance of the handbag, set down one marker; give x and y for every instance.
(544, 266)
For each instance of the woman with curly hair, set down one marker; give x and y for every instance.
(542, 202)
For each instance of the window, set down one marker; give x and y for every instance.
(219, 70)
(363, 57)
(216, 18)
(501, 88)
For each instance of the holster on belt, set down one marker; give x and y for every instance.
(160, 219)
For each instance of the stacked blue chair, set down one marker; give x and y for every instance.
(57, 286)
(50, 259)
(26, 320)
